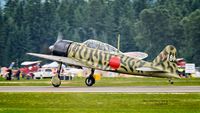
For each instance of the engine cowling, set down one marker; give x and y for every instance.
(61, 47)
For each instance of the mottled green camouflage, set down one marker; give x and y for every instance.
(163, 66)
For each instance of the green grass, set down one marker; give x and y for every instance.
(118, 81)
(98, 103)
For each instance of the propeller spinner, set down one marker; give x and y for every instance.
(59, 38)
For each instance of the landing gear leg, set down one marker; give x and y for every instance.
(56, 82)
(171, 81)
(89, 81)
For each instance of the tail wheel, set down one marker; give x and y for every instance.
(89, 81)
(171, 81)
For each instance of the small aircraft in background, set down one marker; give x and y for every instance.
(98, 55)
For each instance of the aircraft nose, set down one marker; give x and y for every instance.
(51, 48)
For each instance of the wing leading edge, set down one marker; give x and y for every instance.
(59, 59)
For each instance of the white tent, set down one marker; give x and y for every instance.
(53, 65)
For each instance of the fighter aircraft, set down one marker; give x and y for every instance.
(107, 58)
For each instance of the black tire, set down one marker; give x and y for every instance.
(170, 81)
(56, 85)
(89, 81)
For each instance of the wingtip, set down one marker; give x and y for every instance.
(29, 53)
(32, 54)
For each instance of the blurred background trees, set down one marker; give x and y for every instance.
(144, 25)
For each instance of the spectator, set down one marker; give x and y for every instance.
(9, 75)
(32, 75)
(18, 75)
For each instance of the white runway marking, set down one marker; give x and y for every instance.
(132, 89)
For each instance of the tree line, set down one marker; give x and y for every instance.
(144, 25)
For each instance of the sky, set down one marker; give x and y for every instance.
(2, 2)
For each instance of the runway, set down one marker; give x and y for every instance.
(132, 89)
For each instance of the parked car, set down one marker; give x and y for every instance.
(43, 73)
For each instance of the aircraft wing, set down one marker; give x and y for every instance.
(59, 59)
(26, 63)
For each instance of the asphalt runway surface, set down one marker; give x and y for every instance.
(131, 89)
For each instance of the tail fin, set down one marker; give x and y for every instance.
(166, 60)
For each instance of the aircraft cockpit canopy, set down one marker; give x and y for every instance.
(100, 45)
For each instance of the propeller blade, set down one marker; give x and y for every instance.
(60, 36)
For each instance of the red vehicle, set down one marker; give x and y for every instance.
(181, 62)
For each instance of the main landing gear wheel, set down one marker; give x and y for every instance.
(56, 82)
(89, 81)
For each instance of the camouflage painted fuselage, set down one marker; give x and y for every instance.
(99, 59)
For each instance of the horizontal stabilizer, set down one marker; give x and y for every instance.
(138, 55)
(147, 69)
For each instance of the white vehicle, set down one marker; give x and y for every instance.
(43, 73)
(72, 72)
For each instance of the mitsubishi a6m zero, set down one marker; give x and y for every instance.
(97, 55)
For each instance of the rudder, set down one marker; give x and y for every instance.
(166, 60)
